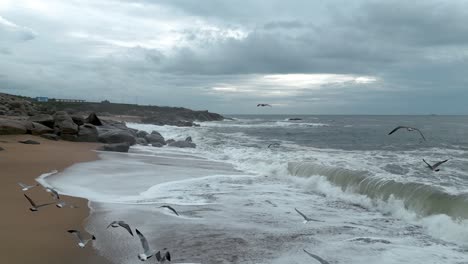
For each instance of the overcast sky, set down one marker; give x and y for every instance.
(301, 56)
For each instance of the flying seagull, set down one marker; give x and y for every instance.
(53, 192)
(25, 187)
(434, 167)
(319, 259)
(306, 218)
(62, 204)
(263, 105)
(122, 224)
(34, 206)
(170, 208)
(81, 243)
(273, 144)
(408, 129)
(162, 259)
(148, 253)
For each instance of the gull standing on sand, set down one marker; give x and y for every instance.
(81, 243)
(170, 208)
(35, 207)
(408, 129)
(319, 259)
(434, 167)
(148, 253)
(116, 224)
(306, 218)
(25, 187)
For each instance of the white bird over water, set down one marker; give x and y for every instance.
(408, 129)
(306, 218)
(148, 253)
(81, 243)
(122, 224)
(25, 187)
(434, 167)
(35, 207)
(319, 259)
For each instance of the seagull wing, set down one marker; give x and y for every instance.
(54, 193)
(168, 256)
(23, 185)
(113, 222)
(395, 129)
(77, 234)
(143, 241)
(126, 226)
(42, 205)
(319, 259)
(429, 165)
(303, 215)
(268, 105)
(170, 208)
(439, 163)
(30, 201)
(420, 133)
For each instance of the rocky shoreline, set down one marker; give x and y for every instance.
(21, 116)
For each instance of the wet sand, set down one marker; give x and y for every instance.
(40, 237)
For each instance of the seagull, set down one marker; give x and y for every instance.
(408, 129)
(319, 259)
(81, 243)
(167, 256)
(122, 224)
(170, 208)
(434, 167)
(53, 192)
(148, 253)
(34, 206)
(61, 204)
(25, 187)
(306, 218)
(263, 105)
(273, 144)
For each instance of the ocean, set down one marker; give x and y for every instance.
(374, 199)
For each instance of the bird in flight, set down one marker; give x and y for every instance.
(319, 259)
(170, 208)
(408, 129)
(306, 218)
(434, 167)
(25, 187)
(263, 105)
(81, 243)
(122, 224)
(273, 145)
(148, 253)
(164, 257)
(35, 207)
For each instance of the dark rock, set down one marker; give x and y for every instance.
(50, 136)
(169, 141)
(69, 137)
(93, 119)
(39, 129)
(64, 123)
(78, 120)
(142, 141)
(141, 133)
(117, 136)
(155, 137)
(12, 127)
(88, 133)
(1, 149)
(119, 147)
(182, 144)
(157, 145)
(188, 139)
(30, 142)
(44, 119)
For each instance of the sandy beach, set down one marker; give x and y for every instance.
(40, 237)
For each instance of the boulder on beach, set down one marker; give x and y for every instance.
(169, 141)
(12, 127)
(182, 144)
(155, 137)
(157, 145)
(44, 119)
(50, 136)
(93, 119)
(64, 123)
(118, 147)
(78, 120)
(39, 129)
(141, 134)
(141, 141)
(29, 142)
(117, 136)
(1, 149)
(87, 133)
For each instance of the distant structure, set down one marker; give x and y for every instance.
(42, 99)
(68, 100)
(105, 102)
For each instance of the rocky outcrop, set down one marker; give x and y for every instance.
(50, 136)
(141, 133)
(39, 129)
(141, 141)
(64, 124)
(29, 142)
(155, 137)
(78, 120)
(11, 127)
(44, 119)
(182, 144)
(117, 136)
(157, 145)
(119, 147)
(87, 133)
(94, 120)
(16, 106)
